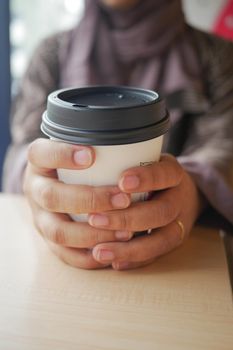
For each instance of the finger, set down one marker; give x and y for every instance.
(47, 154)
(141, 216)
(121, 266)
(141, 249)
(158, 176)
(61, 230)
(56, 196)
(79, 258)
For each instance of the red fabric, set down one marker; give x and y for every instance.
(224, 23)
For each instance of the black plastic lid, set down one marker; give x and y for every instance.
(105, 115)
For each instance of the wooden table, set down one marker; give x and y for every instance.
(182, 301)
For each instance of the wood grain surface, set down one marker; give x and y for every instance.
(182, 301)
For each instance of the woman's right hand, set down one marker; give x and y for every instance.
(52, 200)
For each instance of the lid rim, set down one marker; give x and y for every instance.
(145, 117)
(107, 138)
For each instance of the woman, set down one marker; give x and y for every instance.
(145, 44)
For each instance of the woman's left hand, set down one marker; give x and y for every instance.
(169, 215)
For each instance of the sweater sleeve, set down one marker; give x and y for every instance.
(39, 80)
(208, 151)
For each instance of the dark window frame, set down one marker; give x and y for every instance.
(5, 79)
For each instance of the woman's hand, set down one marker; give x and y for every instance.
(170, 213)
(51, 199)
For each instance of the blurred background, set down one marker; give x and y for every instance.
(23, 23)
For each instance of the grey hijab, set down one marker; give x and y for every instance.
(148, 46)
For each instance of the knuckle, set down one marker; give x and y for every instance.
(179, 172)
(176, 172)
(60, 154)
(170, 172)
(153, 175)
(90, 200)
(166, 211)
(85, 239)
(56, 234)
(125, 220)
(97, 237)
(32, 151)
(172, 176)
(48, 197)
(159, 176)
(171, 209)
(171, 213)
(168, 157)
(167, 172)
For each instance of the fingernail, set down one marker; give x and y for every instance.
(98, 220)
(129, 182)
(123, 235)
(120, 200)
(83, 157)
(104, 255)
(120, 266)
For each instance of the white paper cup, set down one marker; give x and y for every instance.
(124, 125)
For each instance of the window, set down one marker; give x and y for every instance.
(33, 20)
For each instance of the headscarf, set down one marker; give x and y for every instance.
(147, 46)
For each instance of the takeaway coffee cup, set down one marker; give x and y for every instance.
(124, 125)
